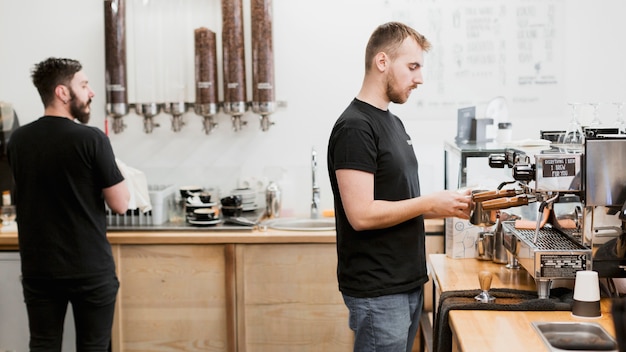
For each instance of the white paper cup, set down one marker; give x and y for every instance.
(586, 294)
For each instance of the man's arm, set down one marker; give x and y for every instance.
(364, 213)
(117, 197)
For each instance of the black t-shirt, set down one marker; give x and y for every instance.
(385, 261)
(60, 168)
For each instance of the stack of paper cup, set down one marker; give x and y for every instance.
(586, 294)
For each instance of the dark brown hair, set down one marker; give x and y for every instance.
(388, 37)
(48, 74)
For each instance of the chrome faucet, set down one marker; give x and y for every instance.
(315, 204)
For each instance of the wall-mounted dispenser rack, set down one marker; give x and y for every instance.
(151, 24)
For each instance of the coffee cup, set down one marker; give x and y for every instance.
(206, 214)
(205, 197)
(188, 191)
(586, 294)
(232, 201)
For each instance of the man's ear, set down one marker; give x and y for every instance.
(381, 60)
(63, 93)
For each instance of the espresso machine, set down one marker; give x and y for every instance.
(579, 193)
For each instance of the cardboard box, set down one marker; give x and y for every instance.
(461, 238)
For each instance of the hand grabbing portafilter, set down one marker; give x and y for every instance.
(484, 278)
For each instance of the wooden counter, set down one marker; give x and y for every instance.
(8, 240)
(228, 290)
(462, 274)
(496, 330)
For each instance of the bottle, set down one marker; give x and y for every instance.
(272, 200)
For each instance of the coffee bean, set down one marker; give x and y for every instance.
(205, 66)
(115, 51)
(233, 52)
(262, 51)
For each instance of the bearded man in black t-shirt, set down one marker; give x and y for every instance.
(64, 174)
(379, 209)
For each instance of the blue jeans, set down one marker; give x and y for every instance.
(386, 323)
(93, 304)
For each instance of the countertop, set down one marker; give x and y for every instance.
(485, 331)
(498, 330)
(462, 274)
(168, 234)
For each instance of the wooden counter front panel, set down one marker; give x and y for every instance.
(171, 298)
(288, 299)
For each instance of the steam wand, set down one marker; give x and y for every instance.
(544, 204)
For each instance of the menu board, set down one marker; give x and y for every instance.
(482, 49)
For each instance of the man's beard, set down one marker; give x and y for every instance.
(78, 109)
(393, 94)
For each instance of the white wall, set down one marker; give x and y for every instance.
(319, 49)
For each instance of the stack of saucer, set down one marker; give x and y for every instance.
(248, 198)
(205, 216)
(199, 210)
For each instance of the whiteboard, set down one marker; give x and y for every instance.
(483, 49)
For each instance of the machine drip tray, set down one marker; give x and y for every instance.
(547, 239)
(556, 255)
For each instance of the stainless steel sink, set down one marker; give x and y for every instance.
(575, 336)
(302, 224)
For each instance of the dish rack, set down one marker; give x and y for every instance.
(161, 196)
